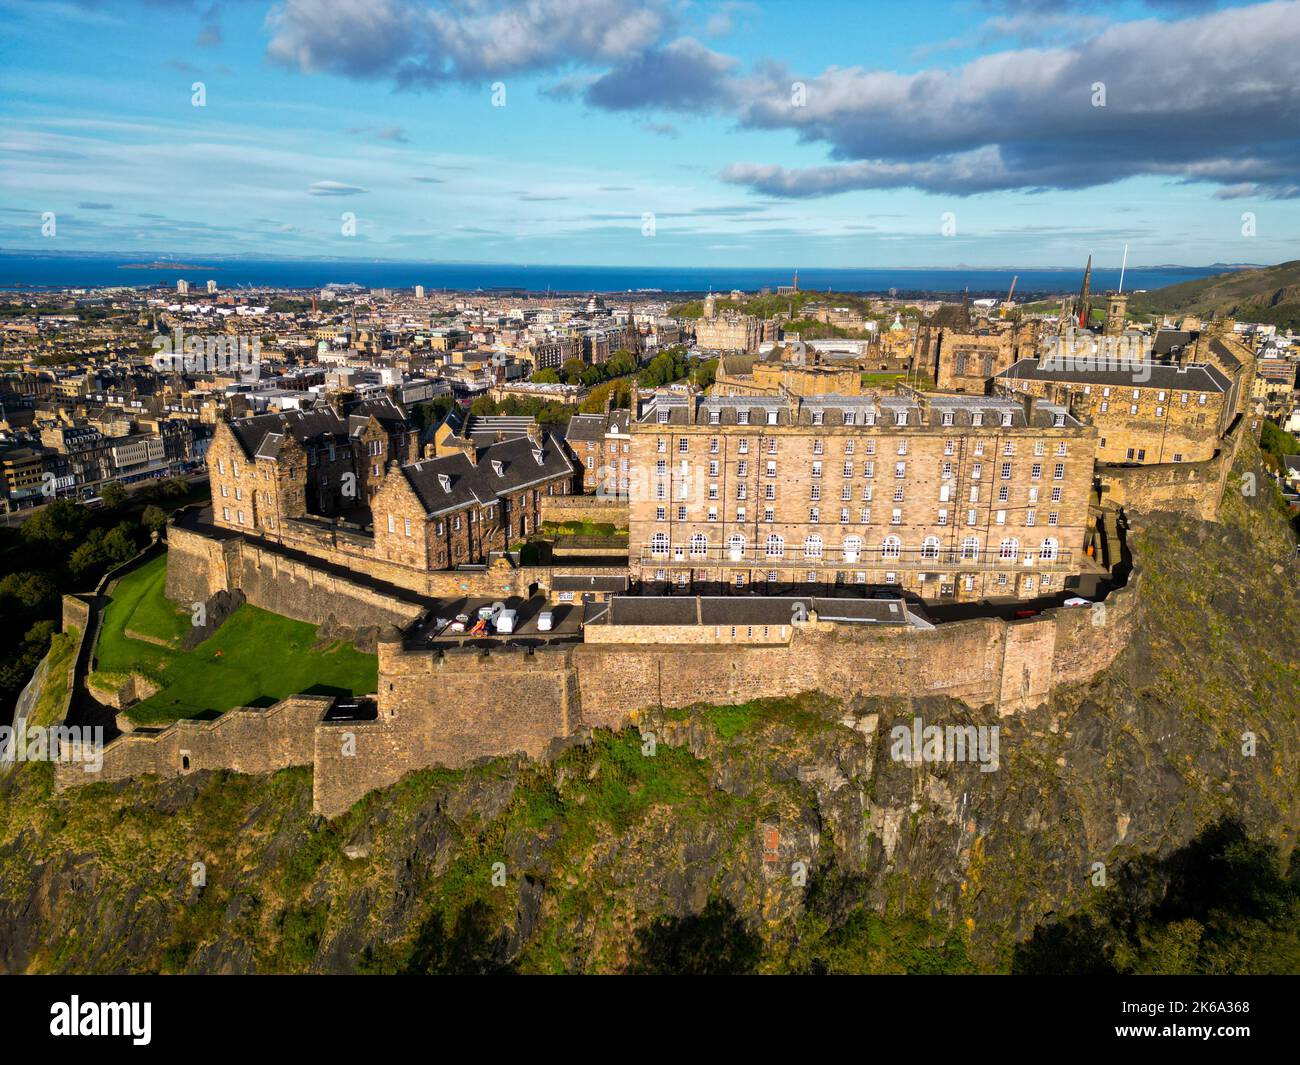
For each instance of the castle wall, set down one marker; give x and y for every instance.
(246, 740)
(1191, 488)
(456, 706)
(584, 508)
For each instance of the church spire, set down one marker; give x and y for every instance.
(1083, 295)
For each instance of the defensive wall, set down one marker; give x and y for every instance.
(585, 508)
(1190, 488)
(453, 706)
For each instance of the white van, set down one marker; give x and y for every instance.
(506, 620)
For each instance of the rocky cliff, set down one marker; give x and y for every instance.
(774, 836)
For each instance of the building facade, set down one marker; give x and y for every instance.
(950, 497)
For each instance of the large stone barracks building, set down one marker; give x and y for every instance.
(350, 489)
(959, 497)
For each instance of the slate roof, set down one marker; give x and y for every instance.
(316, 425)
(748, 610)
(477, 484)
(1195, 377)
(864, 410)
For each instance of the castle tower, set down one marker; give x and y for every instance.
(1116, 305)
(710, 305)
(796, 279)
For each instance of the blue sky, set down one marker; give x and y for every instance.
(982, 114)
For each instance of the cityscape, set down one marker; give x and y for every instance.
(433, 546)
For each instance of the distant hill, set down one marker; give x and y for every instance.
(1269, 294)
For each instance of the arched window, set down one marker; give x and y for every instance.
(1048, 551)
(812, 547)
(852, 548)
(699, 545)
(1009, 549)
(775, 546)
(930, 547)
(891, 547)
(659, 544)
(736, 546)
(970, 548)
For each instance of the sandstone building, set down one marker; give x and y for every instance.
(350, 490)
(947, 496)
(601, 443)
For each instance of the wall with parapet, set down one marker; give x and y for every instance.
(455, 706)
(1191, 488)
(246, 740)
(585, 508)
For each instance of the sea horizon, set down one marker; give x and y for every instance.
(28, 271)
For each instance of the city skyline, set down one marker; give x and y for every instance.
(651, 133)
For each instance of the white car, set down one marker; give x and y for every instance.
(1076, 600)
(545, 621)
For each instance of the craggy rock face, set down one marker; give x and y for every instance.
(736, 838)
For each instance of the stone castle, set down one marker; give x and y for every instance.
(343, 518)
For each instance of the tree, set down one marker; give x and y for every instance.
(572, 371)
(621, 364)
(113, 495)
(154, 519)
(60, 523)
(546, 377)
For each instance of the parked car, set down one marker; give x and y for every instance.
(458, 623)
(1077, 600)
(545, 621)
(506, 621)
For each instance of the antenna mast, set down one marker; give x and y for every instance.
(1122, 268)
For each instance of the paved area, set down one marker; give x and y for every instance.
(435, 630)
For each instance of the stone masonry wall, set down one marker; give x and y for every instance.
(246, 740)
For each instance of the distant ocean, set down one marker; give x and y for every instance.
(48, 272)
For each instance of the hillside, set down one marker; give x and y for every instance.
(615, 861)
(1269, 294)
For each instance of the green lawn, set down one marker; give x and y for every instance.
(139, 605)
(255, 659)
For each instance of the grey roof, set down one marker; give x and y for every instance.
(1194, 377)
(595, 426)
(749, 610)
(316, 425)
(479, 483)
(1292, 464)
(1167, 341)
(586, 427)
(838, 410)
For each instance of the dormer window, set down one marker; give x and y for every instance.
(715, 416)
(1006, 418)
(663, 416)
(537, 455)
(818, 417)
(900, 417)
(742, 417)
(444, 482)
(977, 417)
(498, 467)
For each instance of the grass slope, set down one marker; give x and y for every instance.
(254, 659)
(1270, 294)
